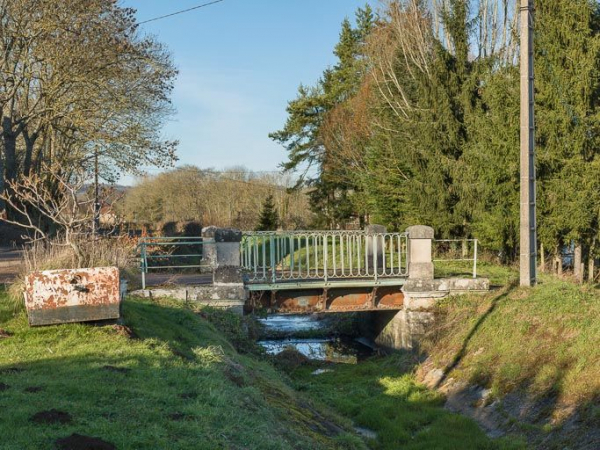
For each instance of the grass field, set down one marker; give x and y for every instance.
(179, 384)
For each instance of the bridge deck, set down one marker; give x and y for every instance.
(286, 284)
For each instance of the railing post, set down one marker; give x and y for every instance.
(420, 263)
(144, 264)
(374, 254)
(475, 258)
(272, 258)
(325, 254)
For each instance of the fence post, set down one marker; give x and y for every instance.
(420, 263)
(374, 247)
(475, 258)
(144, 264)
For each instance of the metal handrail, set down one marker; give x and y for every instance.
(163, 243)
(473, 259)
(308, 255)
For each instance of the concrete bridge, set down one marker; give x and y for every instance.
(387, 276)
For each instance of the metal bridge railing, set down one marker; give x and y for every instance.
(456, 250)
(162, 253)
(271, 257)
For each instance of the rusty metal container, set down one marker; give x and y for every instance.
(72, 295)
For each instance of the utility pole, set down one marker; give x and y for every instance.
(528, 245)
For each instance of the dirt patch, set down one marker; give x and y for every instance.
(33, 389)
(116, 369)
(4, 387)
(290, 359)
(5, 334)
(51, 417)
(80, 442)
(123, 330)
(235, 373)
(236, 377)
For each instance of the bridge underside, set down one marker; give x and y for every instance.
(295, 300)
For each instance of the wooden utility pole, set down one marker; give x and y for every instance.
(528, 239)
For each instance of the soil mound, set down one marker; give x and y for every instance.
(51, 417)
(80, 442)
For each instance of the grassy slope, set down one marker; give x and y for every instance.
(180, 367)
(541, 343)
(381, 395)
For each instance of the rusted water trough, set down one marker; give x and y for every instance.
(73, 295)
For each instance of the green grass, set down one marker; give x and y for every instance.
(498, 275)
(542, 342)
(381, 395)
(184, 386)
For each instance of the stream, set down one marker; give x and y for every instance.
(319, 346)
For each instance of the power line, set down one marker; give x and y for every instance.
(180, 12)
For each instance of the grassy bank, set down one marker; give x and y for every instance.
(382, 396)
(536, 350)
(168, 380)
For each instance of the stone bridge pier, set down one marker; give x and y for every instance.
(404, 329)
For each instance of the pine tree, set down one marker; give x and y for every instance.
(567, 101)
(302, 134)
(269, 219)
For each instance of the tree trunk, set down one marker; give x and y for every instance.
(542, 259)
(29, 144)
(2, 202)
(591, 262)
(558, 266)
(577, 263)
(10, 149)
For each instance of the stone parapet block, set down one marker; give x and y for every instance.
(422, 294)
(420, 232)
(222, 234)
(228, 275)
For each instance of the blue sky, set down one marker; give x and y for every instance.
(240, 62)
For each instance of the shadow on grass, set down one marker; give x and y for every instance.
(463, 350)
(180, 384)
(381, 395)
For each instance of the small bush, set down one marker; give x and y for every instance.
(240, 331)
(191, 229)
(168, 229)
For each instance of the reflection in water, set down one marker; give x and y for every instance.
(291, 322)
(323, 348)
(332, 350)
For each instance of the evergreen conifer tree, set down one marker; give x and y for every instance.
(269, 219)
